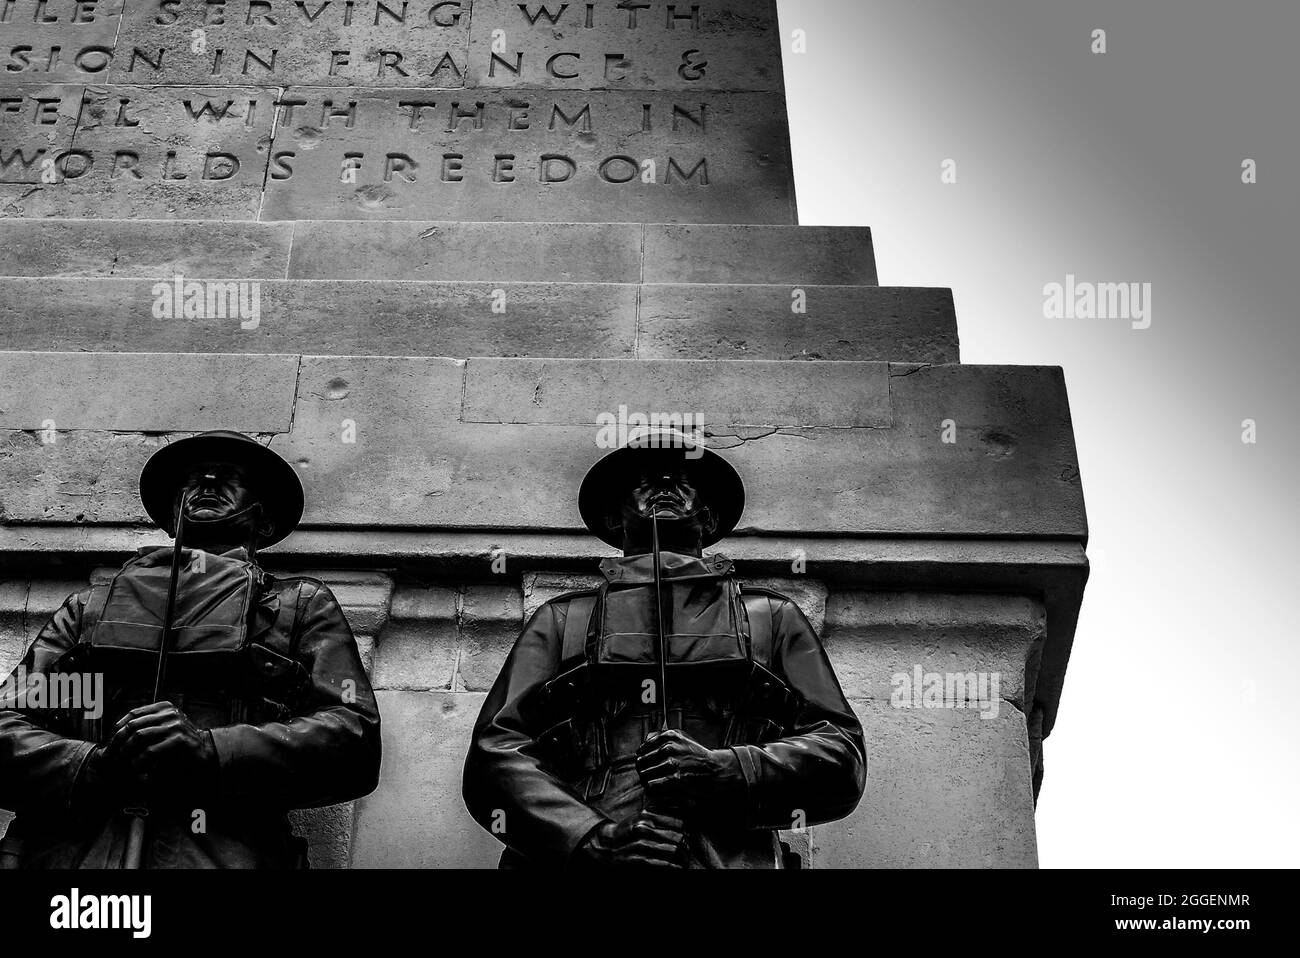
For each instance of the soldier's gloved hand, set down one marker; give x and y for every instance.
(176, 759)
(678, 771)
(646, 840)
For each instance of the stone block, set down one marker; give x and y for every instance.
(328, 832)
(417, 818)
(873, 637)
(720, 45)
(1003, 419)
(84, 477)
(1012, 472)
(129, 248)
(417, 648)
(839, 395)
(469, 252)
(146, 392)
(351, 414)
(846, 323)
(348, 318)
(734, 255)
(59, 39)
(547, 156)
(159, 153)
(945, 789)
(491, 618)
(37, 123)
(358, 317)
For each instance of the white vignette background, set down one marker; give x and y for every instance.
(1176, 739)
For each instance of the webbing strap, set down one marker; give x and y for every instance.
(758, 609)
(94, 609)
(576, 624)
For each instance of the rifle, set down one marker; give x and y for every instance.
(133, 854)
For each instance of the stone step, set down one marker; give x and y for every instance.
(392, 318)
(440, 251)
(500, 445)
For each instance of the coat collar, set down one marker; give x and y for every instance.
(161, 555)
(630, 570)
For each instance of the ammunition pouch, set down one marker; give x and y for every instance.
(217, 674)
(722, 689)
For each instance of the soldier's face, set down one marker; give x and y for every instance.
(667, 489)
(216, 490)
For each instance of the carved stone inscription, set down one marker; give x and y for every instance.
(379, 43)
(626, 44)
(486, 155)
(165, 152)
(595, 111)
(42, 41)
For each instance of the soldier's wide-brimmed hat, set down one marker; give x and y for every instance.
(607, 482)
(274, 480)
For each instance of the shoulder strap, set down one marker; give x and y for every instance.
(758, 609)
(94, 609)
(576, 624)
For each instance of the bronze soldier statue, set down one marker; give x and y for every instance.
(264, 705)
(575, 761)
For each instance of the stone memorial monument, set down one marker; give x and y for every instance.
(439, 254)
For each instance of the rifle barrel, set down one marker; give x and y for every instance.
(659, 619)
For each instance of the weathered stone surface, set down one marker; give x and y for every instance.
(606, 321)
(1011, 472)
(58, 39)
(713, 45)
(945, 789)
(159, 153)
(384, 43)
(348, 318)
(541, 587)
(417, 818)
(1003, 417)
(847, 323)
(872, 637)
(164, 392)
(26, 605)
(732, 255)
(491, 617)
(469, 252)
(350, 413)
(328, 832)
(712, 253)
(84, 477)
(37, 123)
(122, 248)
(839, 395)
(13, 623)
(417, 648)
(549, 156)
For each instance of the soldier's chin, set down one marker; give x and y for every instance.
(667, 511)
